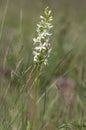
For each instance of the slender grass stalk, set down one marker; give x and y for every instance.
(20, 33)
(3, 20)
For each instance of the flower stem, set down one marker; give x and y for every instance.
(37, 81)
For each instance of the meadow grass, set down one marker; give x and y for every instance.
(18, 110)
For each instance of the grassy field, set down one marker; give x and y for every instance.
(18, 109)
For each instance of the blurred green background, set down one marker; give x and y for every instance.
(18, 27)
(18, 20)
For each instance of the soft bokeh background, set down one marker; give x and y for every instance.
(18, 20)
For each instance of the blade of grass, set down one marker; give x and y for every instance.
(3, 20)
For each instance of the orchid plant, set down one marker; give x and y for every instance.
(41, 42)
(42, 47)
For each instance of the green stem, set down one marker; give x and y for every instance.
(37, 81)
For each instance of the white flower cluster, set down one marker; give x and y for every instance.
(41, 42)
